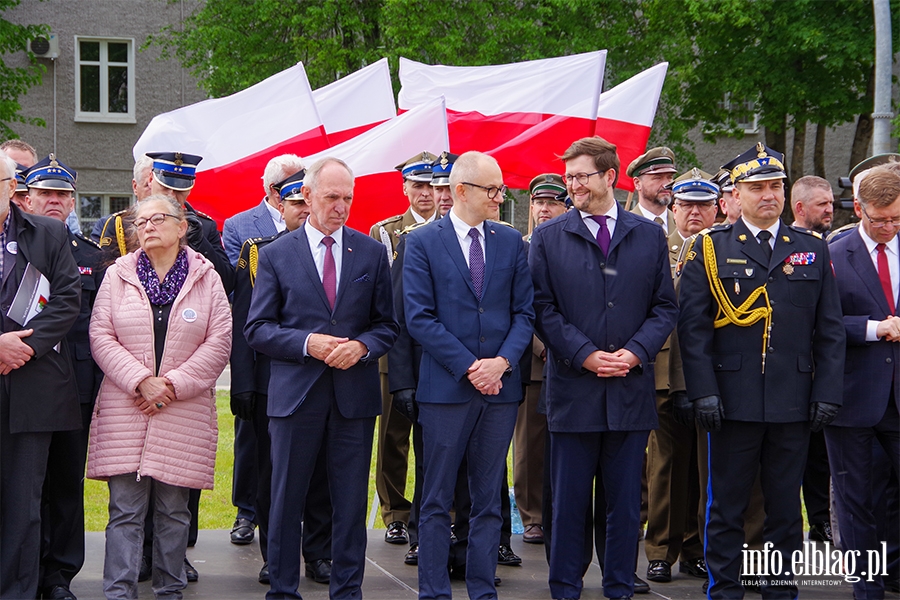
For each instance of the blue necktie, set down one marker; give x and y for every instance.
(476, 262)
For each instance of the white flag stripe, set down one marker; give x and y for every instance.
(634, 100)
(361, 98)
(545, 86)
(223, 130)
(383, 147)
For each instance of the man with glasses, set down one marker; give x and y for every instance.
(867, 268)
(762, 343)
(602, 326)
(468, 301)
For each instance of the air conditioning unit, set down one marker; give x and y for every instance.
(45, 46)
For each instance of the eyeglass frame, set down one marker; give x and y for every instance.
(139, 226)
(497, 190)
(706, 204)
(577, 177)
(879, 224)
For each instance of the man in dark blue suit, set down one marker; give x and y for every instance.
(322, 310)
(468, 300)
(262, 221)
(867, 267)
(604, 306)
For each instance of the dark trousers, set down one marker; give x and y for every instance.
(735, 454)
(616, 459)
(481, 431)
(62, 505)
(244, 482)
(850, 455)
(296, 442)
(392, 460)
(817, 480)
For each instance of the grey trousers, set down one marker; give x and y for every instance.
(129, 501)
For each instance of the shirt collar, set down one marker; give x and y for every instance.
(420, 219)
(276, 214)
(755, 230)
(461, 227)
(612, 213)
(315, 236)
(871, 244)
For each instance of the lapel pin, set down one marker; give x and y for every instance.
(349, 249)
(742, 237)
(785, 238)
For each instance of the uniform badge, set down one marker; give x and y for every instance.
(785, 238)
(788, 269)
(74, 243)
(691, 255)
(742, 237)
(189, 315)
(12, 248)
(801, 258)
(85, 271)
(749, 271)
(678, 266)
(736, 261)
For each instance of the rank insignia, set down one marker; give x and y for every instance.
(801, 258)
(743, 237)
(785, 238)
(691, 255)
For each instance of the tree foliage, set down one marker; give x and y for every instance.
(16, 80)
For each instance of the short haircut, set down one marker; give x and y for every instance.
(279, 168)
(879, 188)
(142, 168)
(311, 180)
(804, 187)
(466, 168)
(10, 164)
(603, 153)
(21, 146)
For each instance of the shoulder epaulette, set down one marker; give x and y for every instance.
(409, 228)
(87, 241)
(203, 215)
(388, 220)
(841, 230)
(799, 229)
(724, 226)
(499, 222)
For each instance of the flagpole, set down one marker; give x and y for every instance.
(628, 201)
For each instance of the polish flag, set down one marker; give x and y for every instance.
(356, 103)
(625, 116)
(378, 189)
(236, 136)
(489, 105)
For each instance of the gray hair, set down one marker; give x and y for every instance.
(142, 168)
(280, 167)
(10, 165)
(467, 167)
(311, 179)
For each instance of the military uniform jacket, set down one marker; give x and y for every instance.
(89, 259)
(805, 351)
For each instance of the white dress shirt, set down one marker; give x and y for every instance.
(420, 219)
(611, 217)
(462, 234)
(663, 217)
(773, 230)
(315, 237)
(891, 249)
(277, 219)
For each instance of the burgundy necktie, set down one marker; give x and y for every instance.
(602, 233)
(476, 262)
(884, 275)
(329, 273)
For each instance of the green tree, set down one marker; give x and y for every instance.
(16, 80)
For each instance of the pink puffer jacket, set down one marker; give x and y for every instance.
(178, 445)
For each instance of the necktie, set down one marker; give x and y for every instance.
(764, 237)
(602, 233)
(329, 273)
(884, 275)
(659, 221)
(476, 262)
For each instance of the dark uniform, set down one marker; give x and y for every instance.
(762, 343)
(250, 384)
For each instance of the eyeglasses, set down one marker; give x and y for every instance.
(491, 190)
(547, 202)
(581, 178)
(880, 223)
(6, 179)
(157, 220)
(688, 206)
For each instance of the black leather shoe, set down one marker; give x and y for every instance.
(319, 570)
(694, 568)
(412, 557)
(146, 569)
(659, 571)
(640, 586)
(59, 592)
(821, 532)
(190, 571)
(264, 574)
(396, 533)
(242, 531)
(508, 558)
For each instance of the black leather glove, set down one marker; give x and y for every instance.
(821, 414)
(243, 405)
(194, 231)
(405, 403)
(682, 409)
(709, 412)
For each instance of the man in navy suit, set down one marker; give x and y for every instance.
(604, 306)
(322, 310)
(867, 267)
(468, 300)
(262, 221)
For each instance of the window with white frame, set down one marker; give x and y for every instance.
(90, 207)
(744, 113)
(104, 80)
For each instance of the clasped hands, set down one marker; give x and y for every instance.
(486, 373)
(889, 329)
(14, 353)
(155, 394)
(340, 353)
(611, 364)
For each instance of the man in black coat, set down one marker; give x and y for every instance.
(38, 394)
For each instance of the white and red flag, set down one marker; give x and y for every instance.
(357, 102)
(236, 136)
(378, 191)
(625, 116)
(488, 106)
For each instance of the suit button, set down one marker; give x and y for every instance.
(609, 304)
(887, 360)
(481, 309)
(771, 350)
(612, 347)
(482, 339)
(602, 265)
(771, 279)
(719, 366)
(333, 322)
(567, 362)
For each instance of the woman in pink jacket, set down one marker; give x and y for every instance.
(161, 332)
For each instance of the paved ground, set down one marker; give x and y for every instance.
(229, 572)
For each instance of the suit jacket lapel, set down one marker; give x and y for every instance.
(347, 261)
(784, 244)
(575, 225)
(262, 220)
(309, 264)
(451, 243)
(858, 257)
(624, 224)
